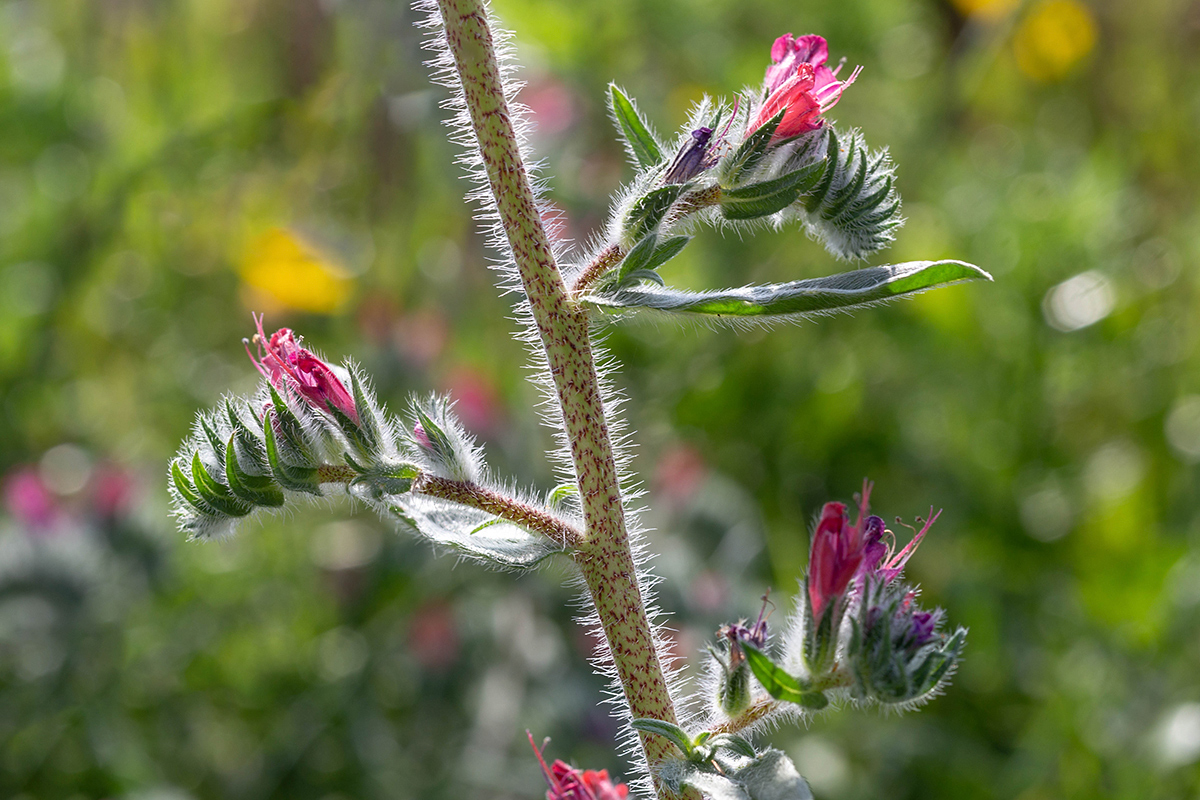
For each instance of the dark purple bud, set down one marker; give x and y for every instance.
(923, 624)
(693, 158)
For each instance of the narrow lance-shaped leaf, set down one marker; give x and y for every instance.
(673, 733)
(641, 142)
(498, 542)
(814, 296)
(779, 684)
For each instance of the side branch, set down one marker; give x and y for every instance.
(506, 508)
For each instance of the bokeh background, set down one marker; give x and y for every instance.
(167, 167)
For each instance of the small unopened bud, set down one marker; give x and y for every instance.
(422, 437)
(733, 694)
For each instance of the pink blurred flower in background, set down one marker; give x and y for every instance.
(800, 84)
(27, 499)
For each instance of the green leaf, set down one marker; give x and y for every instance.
(772, 776)
(673, 733)
(638, 257)
(639, 275)
(561, 492)
(462, 528)
(217, 495)
(779, 684)
(642, 144)
(732, 742)
(750, 153)
(814, 296)
(297, 479)
(759, 206)
(258, 490)
(754, 191)
(769, 775)
(650, 208)
(667, 250)
(188, 492)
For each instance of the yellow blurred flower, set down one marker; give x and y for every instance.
(1053, 38)
(985, 9)
(282, 267)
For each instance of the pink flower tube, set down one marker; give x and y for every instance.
(284, 363)
(800, 84)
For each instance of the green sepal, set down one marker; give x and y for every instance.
(672, 733)
(297, 479)
(352, 432)
(442, 444)
(290, 429)
(642, 144)
(258, 490)
(750, 153)
(214, 439)
(813, 200)
(560, 493)
(216, 494)
(779, 684)
(188, 492)
(650, 208)
(249, 446)
(369, 428)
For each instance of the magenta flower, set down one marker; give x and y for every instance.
(568, 783)
(286, 364)
(28, 500)
(838, 551)
(800, 84)
(881, 559)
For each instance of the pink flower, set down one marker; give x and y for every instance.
(283, 362)
(28, 499)
(568, 783)
(882, 560)
(799, 84)
(838, 551)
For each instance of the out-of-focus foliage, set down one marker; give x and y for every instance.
(165, 167)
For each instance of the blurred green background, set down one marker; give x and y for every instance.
(167, 167)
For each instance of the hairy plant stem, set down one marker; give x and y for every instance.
(604, 556)
(506, 508)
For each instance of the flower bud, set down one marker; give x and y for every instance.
(287, 365)
(897, 654)
(733, 693)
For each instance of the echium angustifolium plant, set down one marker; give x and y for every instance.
(767, 157)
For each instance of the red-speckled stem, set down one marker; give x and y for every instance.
(604, 557)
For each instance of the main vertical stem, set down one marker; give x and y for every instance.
(604, 557)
